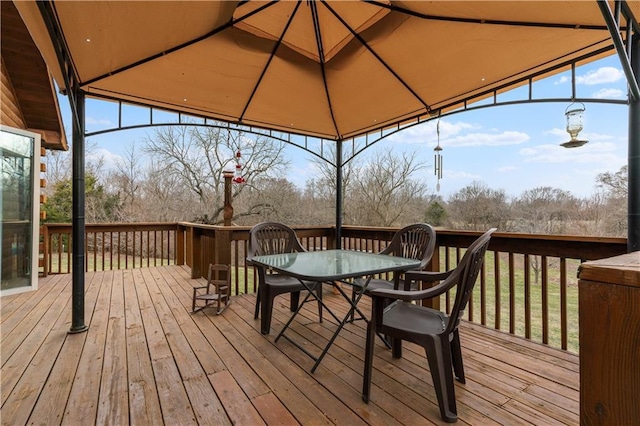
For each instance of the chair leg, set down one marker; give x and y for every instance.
(266, 303)
(368, 361)
(319, 293)
(439, 356)
(295, 300)
(257, 311)
(456, 357)
(353, 299)
(396, 347)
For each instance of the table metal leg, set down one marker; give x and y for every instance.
(341, 323)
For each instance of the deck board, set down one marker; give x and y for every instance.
(147, 360)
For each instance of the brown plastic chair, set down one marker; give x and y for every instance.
(217, 291)
(276, 238)
(417, 241)
(434, 330)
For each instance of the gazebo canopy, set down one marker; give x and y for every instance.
(326, 68)
(331, 69)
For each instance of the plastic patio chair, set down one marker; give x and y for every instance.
(417, 241)
(276, 238)
(434, 330)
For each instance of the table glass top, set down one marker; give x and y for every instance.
(334, 264)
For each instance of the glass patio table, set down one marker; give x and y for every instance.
(331, 266)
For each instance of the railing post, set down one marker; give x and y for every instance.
(180, 245)
(228, 207)
(196, 252)
(45, 250)
(222, 246)
(331, 241)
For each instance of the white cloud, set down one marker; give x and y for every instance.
(563, 136)
(96, 121)
(600, 76)
(600, 153)
(108, 158)
(609, 94)
(457, 174)
(507, 137)
(428, 132)
(453, 134)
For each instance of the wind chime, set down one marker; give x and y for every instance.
(238, 178)
(437, 158)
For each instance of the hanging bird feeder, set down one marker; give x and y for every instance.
(574, 114)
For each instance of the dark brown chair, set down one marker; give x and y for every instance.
(417, 241)
(217, 291)
(276, 238)
(434, 330)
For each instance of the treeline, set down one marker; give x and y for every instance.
(181, 180)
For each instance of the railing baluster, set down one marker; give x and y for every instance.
(563, 303)
(527, 297)
(111, 250)
(119, 247)
(545, 300)
(512, 294)
(498, 302)
(483, 295)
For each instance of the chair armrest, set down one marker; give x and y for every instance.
(413, 295)
(426, 276)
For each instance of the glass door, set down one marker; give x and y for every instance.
(19, 201)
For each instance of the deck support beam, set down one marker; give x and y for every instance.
(633, 196)
(78, 218)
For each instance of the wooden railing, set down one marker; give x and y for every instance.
(528, 286)
(110, 246)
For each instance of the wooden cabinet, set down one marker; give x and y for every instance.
(609, 297)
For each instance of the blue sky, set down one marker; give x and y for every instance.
(514, 148)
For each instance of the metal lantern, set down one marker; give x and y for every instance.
(574, 125)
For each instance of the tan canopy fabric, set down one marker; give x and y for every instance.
(332, 69)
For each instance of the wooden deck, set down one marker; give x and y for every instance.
(146, 360)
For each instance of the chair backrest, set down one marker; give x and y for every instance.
(272, 238)
(219, 276)
(417, 241)
(466, 274)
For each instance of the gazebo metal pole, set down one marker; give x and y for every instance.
(339, 194)
(77, 232)
(633, 196)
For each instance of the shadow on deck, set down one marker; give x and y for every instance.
(146, 360)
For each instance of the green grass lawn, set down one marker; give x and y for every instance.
(553, 300)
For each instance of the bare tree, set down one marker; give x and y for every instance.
(319, 199)
(478, 207)
(616, 188)
(279, 201)
(544, 210)
(616, 185)
(199, 155)
(384, 191)
(127, 181)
